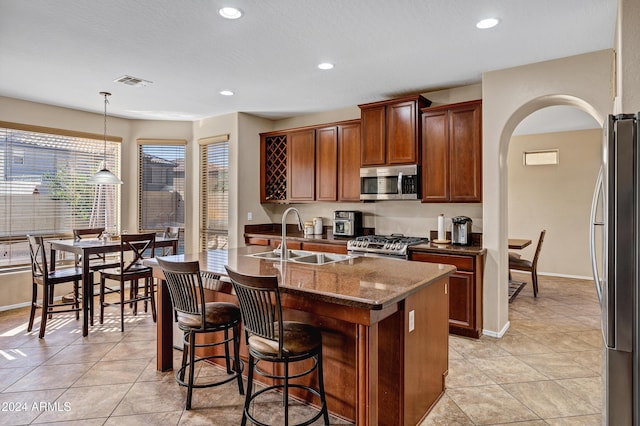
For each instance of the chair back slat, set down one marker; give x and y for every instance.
(185, 286)
(534, 262)
(39, 267)
(260, 305)
(139, 246)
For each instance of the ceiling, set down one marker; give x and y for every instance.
(64, 52)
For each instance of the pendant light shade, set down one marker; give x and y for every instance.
(104, 176)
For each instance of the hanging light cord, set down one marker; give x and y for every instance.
(106, 101)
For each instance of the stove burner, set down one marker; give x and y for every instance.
(389, 245)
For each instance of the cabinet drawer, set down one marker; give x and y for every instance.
(327, 248)
(463, 263)
(257, 241)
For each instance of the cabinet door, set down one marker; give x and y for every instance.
(349, 162)
(373, 136)
(465, 147)
(401, 135)
(461, 299)
(435, 156)
(327, 163)
(301, 162)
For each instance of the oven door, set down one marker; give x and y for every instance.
(381, 255)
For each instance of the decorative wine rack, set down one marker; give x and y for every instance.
(276, 168)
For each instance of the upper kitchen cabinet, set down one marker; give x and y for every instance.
(273, 168)
(452, 153)
(301, 164)
(327, 163)
(391, 131)
(349, 161)
(315, 163)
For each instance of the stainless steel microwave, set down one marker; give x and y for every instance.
(389, 183)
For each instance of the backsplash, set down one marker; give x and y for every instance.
(411, 218)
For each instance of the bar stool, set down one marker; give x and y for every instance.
(274, 340)
(195, 316)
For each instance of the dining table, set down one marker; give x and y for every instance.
(87, 247)
(518, 243)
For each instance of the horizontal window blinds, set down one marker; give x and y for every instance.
(162, 184)
(214, 195)
(43, 187)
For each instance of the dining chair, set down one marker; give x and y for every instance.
(196, 316)
(170, 232)
(520, 264)
(134, 248)
(97, 261)
(43, 276)
(272, 339)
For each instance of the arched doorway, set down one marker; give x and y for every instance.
(552, 165)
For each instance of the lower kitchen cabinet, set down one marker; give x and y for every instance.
(465, 290)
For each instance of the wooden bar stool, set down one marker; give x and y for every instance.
(195, 316)
(274, 340)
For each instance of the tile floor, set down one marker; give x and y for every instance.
(545, 370)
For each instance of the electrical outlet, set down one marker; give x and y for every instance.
(412, 320)
(249, 216)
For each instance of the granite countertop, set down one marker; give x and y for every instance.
(274, 231)
(362, 282)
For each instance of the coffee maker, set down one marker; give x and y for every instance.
(461, 230)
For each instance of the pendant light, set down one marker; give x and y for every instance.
(104, 176)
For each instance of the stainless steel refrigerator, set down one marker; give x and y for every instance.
(615, 237)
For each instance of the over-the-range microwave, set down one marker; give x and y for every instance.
(389, 183)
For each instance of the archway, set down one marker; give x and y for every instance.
(555, 195)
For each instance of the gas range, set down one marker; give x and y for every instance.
(394, 245)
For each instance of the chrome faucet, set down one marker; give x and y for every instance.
(284, 253)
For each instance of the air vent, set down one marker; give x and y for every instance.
(132, 81)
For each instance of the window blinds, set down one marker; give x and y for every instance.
(214, 192)
(43, 187)
(161, 184)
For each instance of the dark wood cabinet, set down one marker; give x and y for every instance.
(391, 131)
(301, 163)
(315, 163)
(452, 153)
(327, 163)
(465, 290)
(349, 161)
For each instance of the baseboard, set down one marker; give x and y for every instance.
(56, 299)
(577, 277)
(499, 334)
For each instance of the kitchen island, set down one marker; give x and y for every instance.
(383, 322)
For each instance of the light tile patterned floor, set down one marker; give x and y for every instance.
(545, 370)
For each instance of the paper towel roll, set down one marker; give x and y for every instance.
(441, 234)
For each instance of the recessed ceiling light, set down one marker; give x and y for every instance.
(230, 12)
(325, 66)
(487, 23)
(226, 93)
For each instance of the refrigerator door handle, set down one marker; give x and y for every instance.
(592, 235)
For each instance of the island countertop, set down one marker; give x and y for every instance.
(361, 282)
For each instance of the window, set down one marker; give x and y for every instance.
(540, 158)
(214, 192)
(161, 180)
(43, 187)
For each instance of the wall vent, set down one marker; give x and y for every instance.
(132, 81)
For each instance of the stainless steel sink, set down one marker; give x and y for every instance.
(275, 254)
(321, 258)
(302, 256)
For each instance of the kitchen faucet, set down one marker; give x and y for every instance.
(284, 253)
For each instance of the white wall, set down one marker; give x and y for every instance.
(556, 198)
